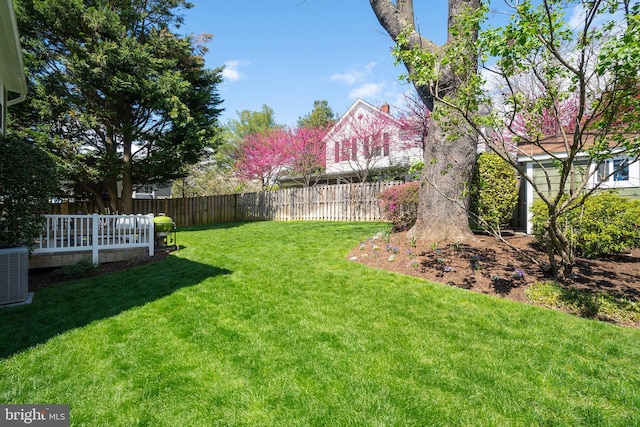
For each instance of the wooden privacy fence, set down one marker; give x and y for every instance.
(344, 202)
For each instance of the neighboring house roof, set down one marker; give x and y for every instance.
(11, 66)
(554, 146)
(359, 103)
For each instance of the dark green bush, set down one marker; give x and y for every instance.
(27, 180)
(605, 224)
(494, 191)
(399, 205)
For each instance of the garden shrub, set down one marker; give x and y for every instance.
(605, 224)
(399, 205)
(27, 180)
(494, 191)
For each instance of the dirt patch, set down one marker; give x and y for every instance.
(491, 267)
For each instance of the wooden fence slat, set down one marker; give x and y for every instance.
(343, 202)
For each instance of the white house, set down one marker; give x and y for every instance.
(367, 140)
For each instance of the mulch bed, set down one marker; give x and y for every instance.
(491, 267)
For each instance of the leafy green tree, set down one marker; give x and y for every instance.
(251, 122)
(322, 116)
(116, 95)
(539, 61)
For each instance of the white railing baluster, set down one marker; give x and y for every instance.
(72, 233)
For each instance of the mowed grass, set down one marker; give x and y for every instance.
(268, 324)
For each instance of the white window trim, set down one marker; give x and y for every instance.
(632, 182)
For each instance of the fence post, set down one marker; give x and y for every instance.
(94, 239)
(151, 234)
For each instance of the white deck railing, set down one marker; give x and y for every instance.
(72, 233)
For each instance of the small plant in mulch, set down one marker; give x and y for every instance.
(518, 274)
(84, 268)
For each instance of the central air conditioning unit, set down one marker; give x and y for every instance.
(14, 275)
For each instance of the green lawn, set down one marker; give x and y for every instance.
(267, 324)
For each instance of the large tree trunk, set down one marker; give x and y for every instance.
(449, 162)
(444, 196)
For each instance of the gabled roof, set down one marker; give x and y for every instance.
(358, 104)
(11, 66)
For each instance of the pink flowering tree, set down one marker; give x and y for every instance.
(262, 156)
(414, 119)
(298, 153)
(533, 122)
(306, 154)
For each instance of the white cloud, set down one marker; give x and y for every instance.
(231, 72)
(367, 90)
(355, 75)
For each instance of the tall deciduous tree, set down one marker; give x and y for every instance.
(117, 95)
(251, 122)
(440, 73)
(322, 116)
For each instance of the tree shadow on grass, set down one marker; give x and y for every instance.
(71, 305)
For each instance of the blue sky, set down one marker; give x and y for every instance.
(288, 53)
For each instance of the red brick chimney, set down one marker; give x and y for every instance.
(385, 108)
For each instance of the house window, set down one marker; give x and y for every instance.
(385, 143)
(377, 147)
(613, 170)
(344, 153)
(336, 154)
(354, 149)
(619, 172)
(621, 169)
